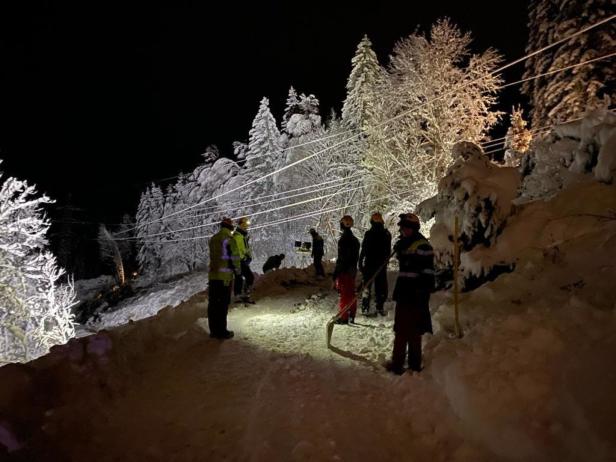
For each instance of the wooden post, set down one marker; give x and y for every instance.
(456, 267)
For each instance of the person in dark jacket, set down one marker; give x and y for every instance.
(273, 263)
(412, 294)
(317, 252)
(373, 258)
(346, 270)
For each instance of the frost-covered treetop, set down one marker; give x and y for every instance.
(359, 106)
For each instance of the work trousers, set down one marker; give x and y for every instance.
(318, 265)
(219, 297)
(379, 284)
(346, 287)
(244, 281)
(412, 319)
(403, 342)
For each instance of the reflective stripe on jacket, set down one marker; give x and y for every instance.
(243, 246)
(416, 258)
(224, 256)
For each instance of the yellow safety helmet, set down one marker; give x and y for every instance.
(243, 223)
(347, 221)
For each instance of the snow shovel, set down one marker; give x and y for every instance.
(329, 328)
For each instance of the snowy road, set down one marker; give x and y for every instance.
(159, 389)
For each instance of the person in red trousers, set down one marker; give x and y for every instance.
(346, 270)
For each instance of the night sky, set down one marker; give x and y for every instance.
(99, 98)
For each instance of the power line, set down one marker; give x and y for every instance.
(295, 204)
(306, 158)
(313, 188)
(270, 201)
(289, 219)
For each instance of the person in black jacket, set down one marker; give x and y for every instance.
(346, 271)
(373, 258)
(273, 263)
(412, 294)
(317, 252)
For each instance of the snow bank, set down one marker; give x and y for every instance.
(586, 146)
(158, 296)
(86, 289)
(477, 191)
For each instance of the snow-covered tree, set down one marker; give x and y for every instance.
(434, 94)
(110, 253)
(211, 154)
(35, 308)
(518, 138)
(291, 107)
(127, 247)
(240, 151)
(480, 194)
(360, 106)
(568, 94)
(306, 119)
(264, 149)
(149, 211)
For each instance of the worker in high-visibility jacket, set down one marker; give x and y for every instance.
(224, 266)
(245, 279)
(414, 285)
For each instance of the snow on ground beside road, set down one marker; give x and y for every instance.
(159, 295)
(85, 289)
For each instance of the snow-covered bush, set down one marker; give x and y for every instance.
(480, 194)
(585, 146)
(35, 309)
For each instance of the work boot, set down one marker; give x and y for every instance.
(341, 321)
(227, 335)
(351, 319)
(390, 367)
(246, 298)
(223, 336)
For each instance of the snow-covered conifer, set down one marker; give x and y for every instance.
(292, 106)
(149, 212)
(263, 144)
(306, 120)
(359, 106)
(566, 95)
